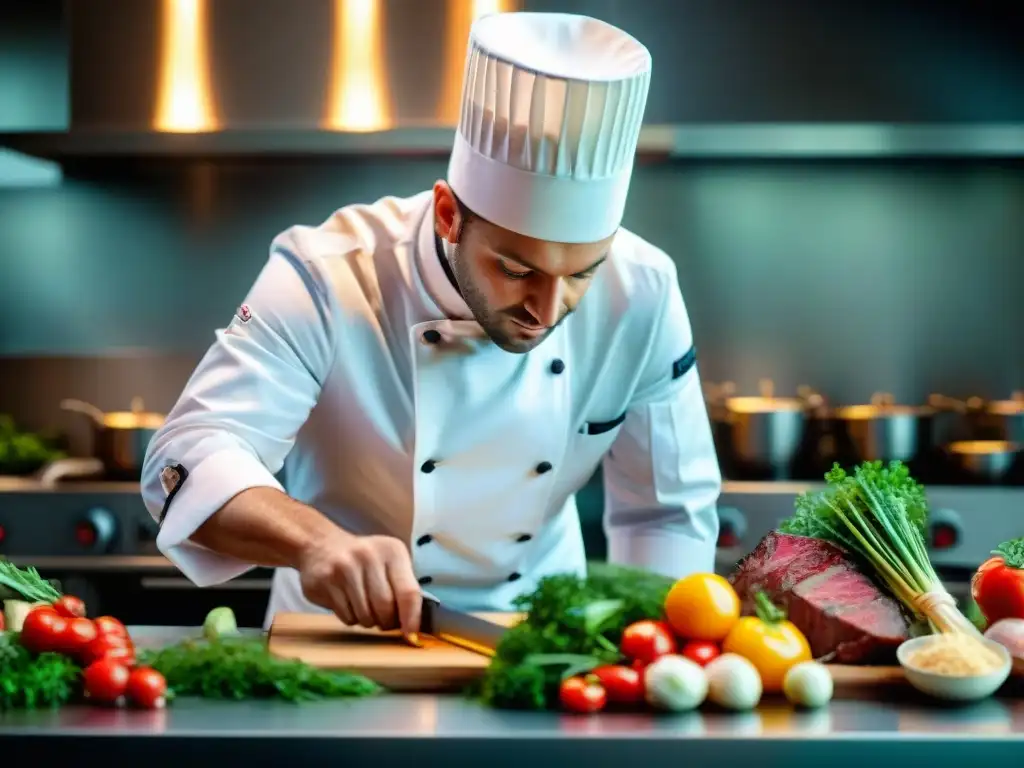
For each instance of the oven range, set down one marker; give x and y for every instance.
(99, 540)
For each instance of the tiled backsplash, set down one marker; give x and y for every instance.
(850, 277)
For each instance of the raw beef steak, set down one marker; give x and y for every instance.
(846, 617)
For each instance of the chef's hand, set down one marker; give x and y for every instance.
(366, 580)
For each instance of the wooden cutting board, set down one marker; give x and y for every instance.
(321, 640)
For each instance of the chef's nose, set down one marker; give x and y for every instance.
(547, 303)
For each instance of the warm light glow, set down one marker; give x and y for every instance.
(459, 17)
(184, 102)
(359, 94)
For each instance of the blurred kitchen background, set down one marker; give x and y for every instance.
(841, 185)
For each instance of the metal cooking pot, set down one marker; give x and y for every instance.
(764, 432)
(120, 438)
(1008, 416)
(989, 460)
(884, 431)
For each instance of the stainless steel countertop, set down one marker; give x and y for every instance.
(394, 728)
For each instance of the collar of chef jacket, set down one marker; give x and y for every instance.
(436, 281)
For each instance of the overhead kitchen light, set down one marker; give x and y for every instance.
(185, 99)
(359, 99)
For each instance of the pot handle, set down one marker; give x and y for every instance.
(80, 406)
(943, 403)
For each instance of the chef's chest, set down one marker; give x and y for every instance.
(466, 407)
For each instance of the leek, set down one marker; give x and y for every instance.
(880, 514)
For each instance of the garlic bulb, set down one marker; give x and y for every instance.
(1009, 633)
(733, 682)
(808, 684)
(675, 684)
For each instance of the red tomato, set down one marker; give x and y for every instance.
(43, 630)
(69, 607)
(2, 623)
(646, 641)
(78, 633)
(105, 680)
(108, 625)
(147, 688)
(582, 695)
(701, 651)
(624, 685)
(998, 585)
(109, 647)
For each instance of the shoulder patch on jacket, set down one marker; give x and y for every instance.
(172, 477)
(683, 365)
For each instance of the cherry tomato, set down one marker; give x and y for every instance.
(701, 651)
(582, 695)
(624, 685)
(147, 688)
(43, 630)
(646, 641)
(2, 623)
(109, 647)
(108, 625)
(69, 607)
(78, 633)
(105, 680)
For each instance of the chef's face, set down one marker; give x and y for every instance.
(518, 288)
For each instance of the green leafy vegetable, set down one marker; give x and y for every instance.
(26, 584)
(880, 513)
(22, 453)
(572, 625)
(34, 682)
(241, 668)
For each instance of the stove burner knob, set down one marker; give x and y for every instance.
(944, 536)
(3, 534)
(731, 528)
(97, 531)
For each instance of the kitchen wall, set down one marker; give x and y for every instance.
(851, 276)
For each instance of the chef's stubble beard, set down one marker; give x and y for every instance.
(489, 319)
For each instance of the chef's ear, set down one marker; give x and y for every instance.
(447, 216)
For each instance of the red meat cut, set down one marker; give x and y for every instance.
(845, 616)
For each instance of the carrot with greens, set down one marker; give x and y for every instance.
(880, 513)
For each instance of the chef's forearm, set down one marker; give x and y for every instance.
(264, 526)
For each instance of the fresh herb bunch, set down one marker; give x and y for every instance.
(816, 516)
(34, 682)
(880, 514)
(572, 624)
(26, 584)
(241, 668)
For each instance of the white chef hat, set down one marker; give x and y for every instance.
(552, 105)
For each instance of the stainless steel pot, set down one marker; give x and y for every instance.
(763, 431)
(120, 438)
(989, 460)
(885, 431)
(1008, 416)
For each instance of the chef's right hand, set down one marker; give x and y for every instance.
(366, 580)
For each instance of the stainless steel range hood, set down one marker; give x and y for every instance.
(322, 77)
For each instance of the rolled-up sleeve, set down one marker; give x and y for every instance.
(240, 411)
(661, 477)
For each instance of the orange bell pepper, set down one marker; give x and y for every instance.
(769, 641)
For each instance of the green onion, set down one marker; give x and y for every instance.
(880, 514)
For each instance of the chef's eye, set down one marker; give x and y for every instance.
(514, 273)
(584, 275)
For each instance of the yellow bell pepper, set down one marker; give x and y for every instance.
(769, 641)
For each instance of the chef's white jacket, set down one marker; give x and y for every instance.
(470, 454)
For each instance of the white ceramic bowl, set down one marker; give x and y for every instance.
(952, 688)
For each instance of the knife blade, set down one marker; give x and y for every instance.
(461, 629)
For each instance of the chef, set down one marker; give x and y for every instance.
(438, 375)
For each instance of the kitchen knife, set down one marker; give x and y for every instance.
(458, 628)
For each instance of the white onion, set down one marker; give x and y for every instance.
(675, 684)
(733, 682)
(808, 684)
(1009, 633)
